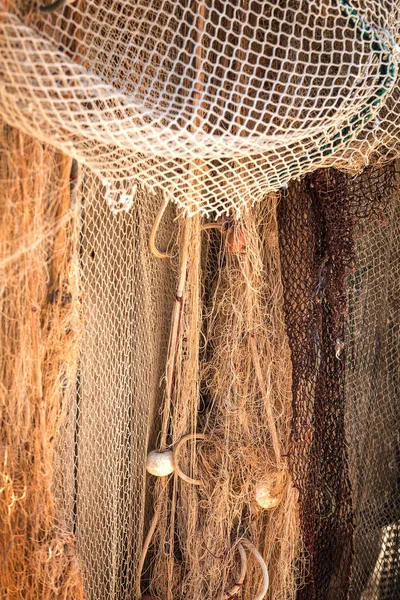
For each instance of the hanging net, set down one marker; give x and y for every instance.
(127, 301)
(39, 333)
(199, 286)
(255, 93)
(339, 271)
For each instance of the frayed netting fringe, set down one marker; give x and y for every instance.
(39, 336)
(226, 520)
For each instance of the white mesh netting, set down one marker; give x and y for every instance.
(215, 102)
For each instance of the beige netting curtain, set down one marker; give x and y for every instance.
(257, 92)
(198, 282)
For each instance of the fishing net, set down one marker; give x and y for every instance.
(39, 334)
(317, 250)
(235, 431)
(339, 273)
(126, 305)
(373, 415)
(255, 93)
(229, 428)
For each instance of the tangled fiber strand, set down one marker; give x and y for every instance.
(243, 419)
(317, 249)
(173, 510)
(248, 376)
(39, 335)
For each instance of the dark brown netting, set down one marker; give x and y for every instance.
(341, 284)
(317, 249)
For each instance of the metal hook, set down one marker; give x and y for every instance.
(52, 7)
